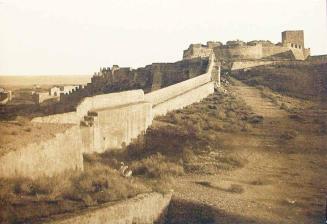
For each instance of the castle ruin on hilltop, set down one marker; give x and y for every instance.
(291, 48)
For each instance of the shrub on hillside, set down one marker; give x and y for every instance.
(102, 184)
(288, 135)
(255, 119)
(156, 166)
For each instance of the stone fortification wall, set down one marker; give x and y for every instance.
(299, 54)
(110, 121)
(110, 126)
(54, 156)
(146, 208)
(108, 100)
(148, 78)
(184, 99)
(93, 103)
(116, 126)
(172, 91)
(200, 50)
(307, 53)
(238, 52)
(277, 52)
(318, 59)
(169, 92)
(197, 50)
(238, 65)
(173, 73)
(258, 52)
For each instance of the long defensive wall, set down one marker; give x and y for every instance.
(103, 122)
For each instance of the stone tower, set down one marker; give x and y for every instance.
(293, 39)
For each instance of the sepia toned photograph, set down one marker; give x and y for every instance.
(163, 111)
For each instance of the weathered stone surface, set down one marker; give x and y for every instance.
(237, 65)
(61, 153)
(183, 100)
(108, 100)
(143, 209)
(116, 126)
(172, 91)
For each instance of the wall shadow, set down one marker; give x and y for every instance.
(183, 211)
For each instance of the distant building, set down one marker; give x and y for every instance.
(57, 90)
(54, 93)
(5, 96)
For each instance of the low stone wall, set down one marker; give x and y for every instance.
(146, 208)
(183, 100)
(54, 156)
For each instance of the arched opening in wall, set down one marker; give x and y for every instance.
(55, 93)
(300, 46)
(295, 45)
(292, 45)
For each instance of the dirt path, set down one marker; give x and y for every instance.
(274, 186)
(259, 105)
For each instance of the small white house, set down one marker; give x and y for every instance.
(57, 90)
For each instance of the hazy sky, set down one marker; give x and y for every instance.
(80, 36)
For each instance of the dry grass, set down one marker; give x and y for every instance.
(44, 197)
(156, 166)
(101, 184)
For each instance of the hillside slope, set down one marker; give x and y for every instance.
(307, 81)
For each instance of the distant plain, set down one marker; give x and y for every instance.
(11, 81)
